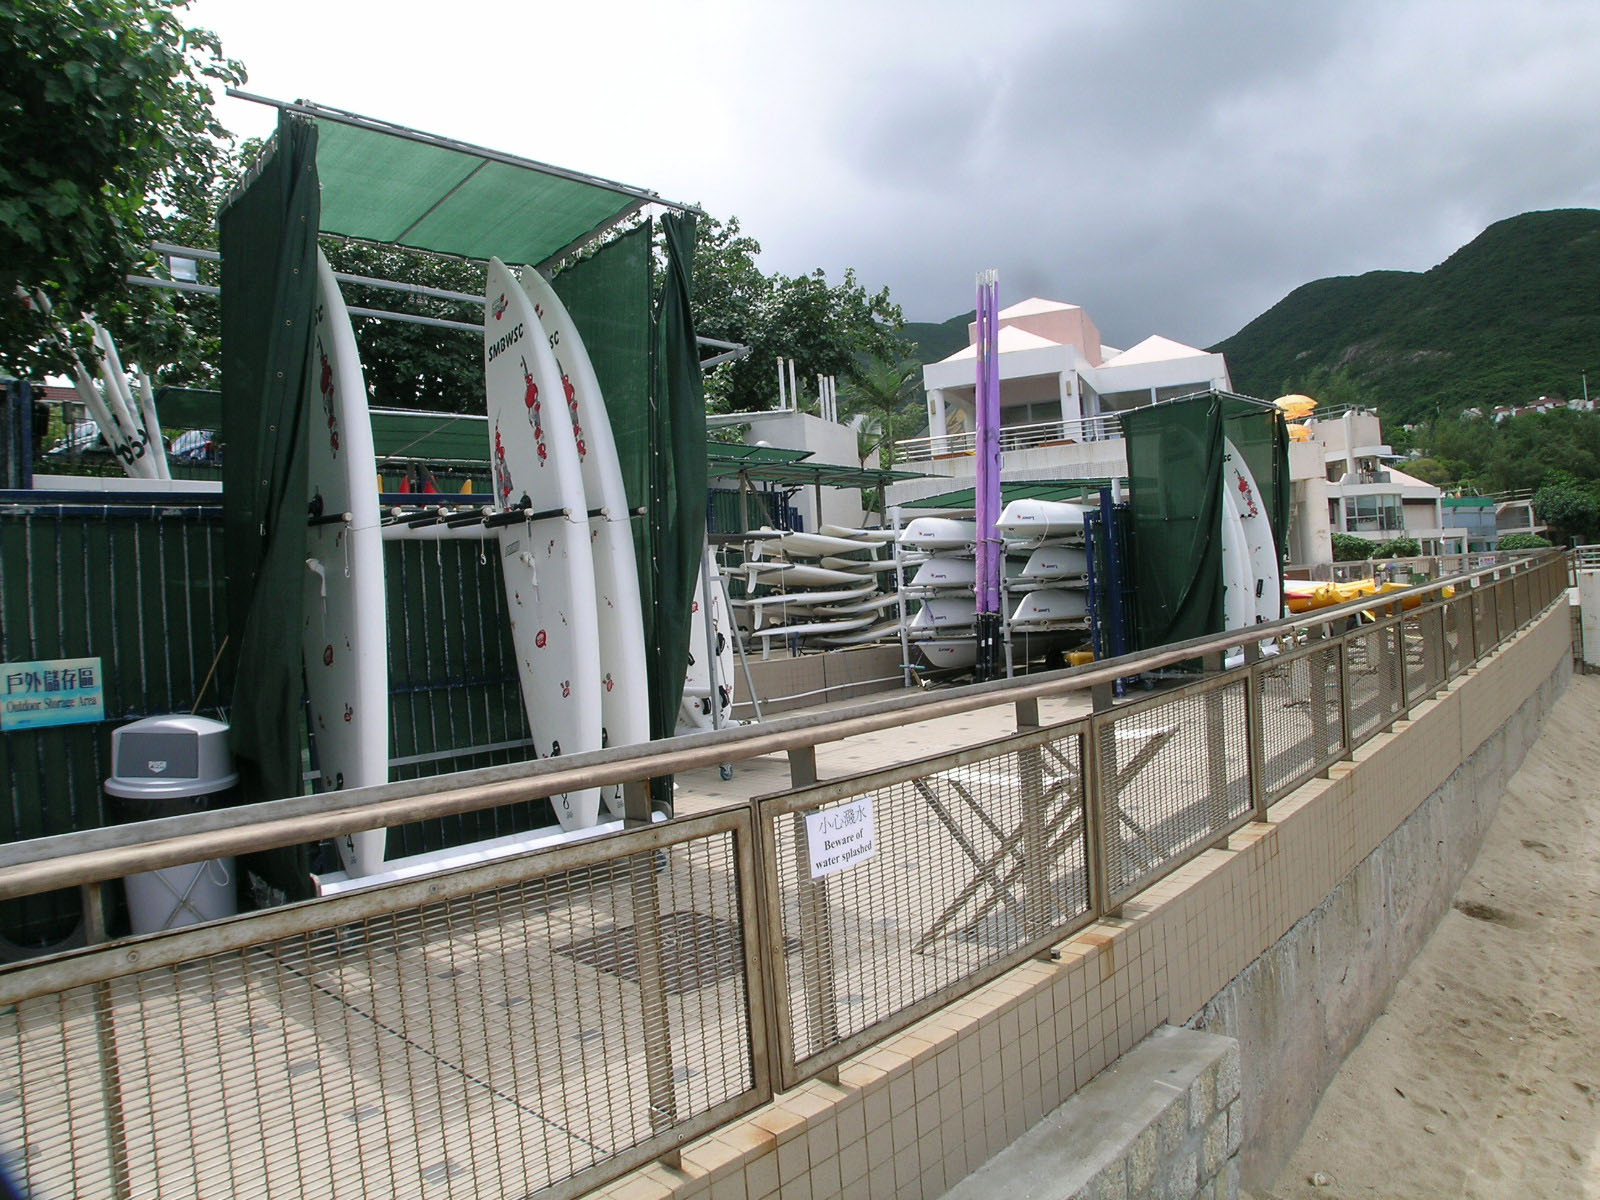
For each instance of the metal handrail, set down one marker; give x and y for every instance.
(1106, 427)
(97, 855)
(1092, 819)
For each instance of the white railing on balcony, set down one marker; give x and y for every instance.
(1012, 437)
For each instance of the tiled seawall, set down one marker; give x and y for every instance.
(927, 1108)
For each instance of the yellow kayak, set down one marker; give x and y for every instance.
(1304, 595)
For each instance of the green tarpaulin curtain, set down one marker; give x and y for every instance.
(1175, 503)
(608, 295)
(269, 244)
(1175, 485)
(677, 508)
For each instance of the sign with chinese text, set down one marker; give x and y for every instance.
(57, 691)
(840, 837)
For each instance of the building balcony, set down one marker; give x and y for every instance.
(1012, 437)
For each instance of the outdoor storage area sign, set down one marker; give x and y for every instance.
(56, 691)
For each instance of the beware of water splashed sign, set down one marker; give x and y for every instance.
(842, 836)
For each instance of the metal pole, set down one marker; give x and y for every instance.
(1254, 728)
(654, 1019)
(738, 646)
(1035, 844)
(1099, 797)
(816, 934)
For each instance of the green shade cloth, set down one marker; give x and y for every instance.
(1175, 500)
(677, 509)
(432, 437)
(1028, 489)
(269, 247)
(608, 297)
(383, 187)
(188, 408)
(730, 454)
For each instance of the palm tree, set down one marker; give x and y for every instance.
(873, 404)
(877, 402)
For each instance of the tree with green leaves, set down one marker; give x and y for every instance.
(1523, 541)
(407, 365)
(1568, 506)
(105, 122)
(1347, 547)
(826, 328)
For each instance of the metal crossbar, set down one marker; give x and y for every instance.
(545, 1022)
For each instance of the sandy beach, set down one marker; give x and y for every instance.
(1482, 1077)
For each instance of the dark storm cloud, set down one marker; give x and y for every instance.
(1178, 167)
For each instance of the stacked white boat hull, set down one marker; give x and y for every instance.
(1046, 574)
(818, 590)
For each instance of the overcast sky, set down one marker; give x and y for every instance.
(1175, 168)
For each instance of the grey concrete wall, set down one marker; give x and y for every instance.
(1161, 1123)
(1305, 1003)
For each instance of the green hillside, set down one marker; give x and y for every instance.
(935, 341)
(1511, 316)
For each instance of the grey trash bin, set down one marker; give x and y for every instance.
(169, 767)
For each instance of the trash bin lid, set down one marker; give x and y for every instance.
(169, 757)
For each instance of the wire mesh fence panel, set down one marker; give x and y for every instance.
(492, 1044)
(1523, 586)
(1422, 642)
(1300, 727)
(1486, 621)
(1457, 635)
(1373, 669)
(1174, 775)
(973, 864)
(1505, 615)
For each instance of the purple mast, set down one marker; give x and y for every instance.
(990, 551)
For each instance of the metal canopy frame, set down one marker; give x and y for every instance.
(730, 350)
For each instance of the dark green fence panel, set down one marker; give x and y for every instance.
(454, 699)
(141, 587)
(137, 587)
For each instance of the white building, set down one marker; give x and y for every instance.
(1055, 373)
(1060, 392)
(1343, 481)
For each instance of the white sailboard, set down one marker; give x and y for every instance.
(344, 635)
(544, 552)
(949, 653)
(944, 612)
(708, 678)
(1238, 576)
(809, 628)
(624, 695)
(1266, 582)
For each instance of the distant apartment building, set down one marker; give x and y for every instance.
(1057, 378)
(1062, 392)
(1343, 480)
